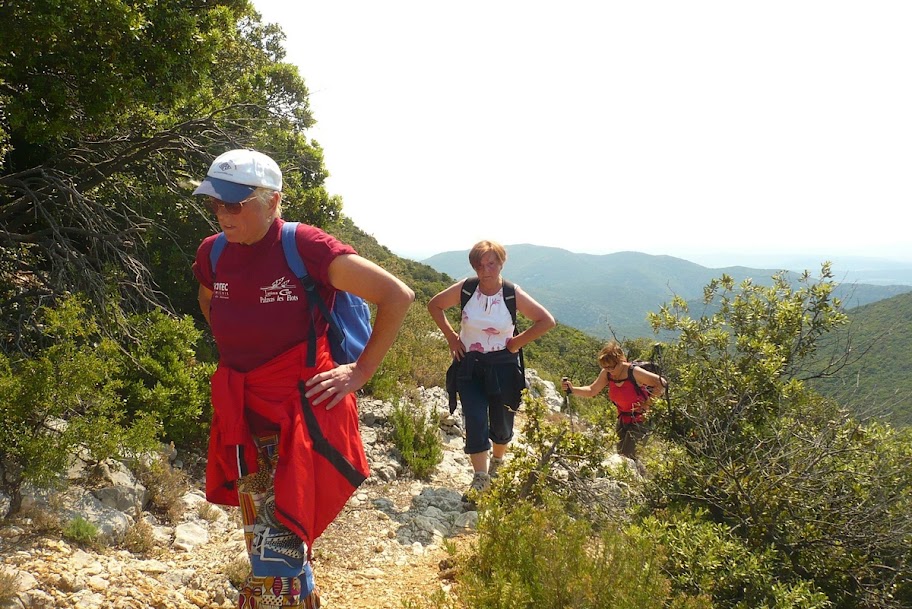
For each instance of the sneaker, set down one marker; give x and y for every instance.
(494, 465)
(480, 483)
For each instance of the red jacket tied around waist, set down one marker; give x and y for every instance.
(321, 456)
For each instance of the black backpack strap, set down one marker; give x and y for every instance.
(468, 288)
(509, 292)
(642, 393)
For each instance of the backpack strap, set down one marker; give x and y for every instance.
(509, 291)
(217, 248)
(468, 288)
(640, 391)
(296, 264)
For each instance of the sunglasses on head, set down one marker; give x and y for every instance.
(232, 208)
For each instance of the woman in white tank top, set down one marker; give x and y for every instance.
(486, 366)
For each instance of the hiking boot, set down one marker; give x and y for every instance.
(494, 465)
(480, 483)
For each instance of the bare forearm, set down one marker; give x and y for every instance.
(539, 328)
(390, 315)
(587, 391)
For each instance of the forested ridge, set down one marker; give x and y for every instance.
(610, 294)
(761, 492)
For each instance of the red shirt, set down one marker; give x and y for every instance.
(627, 399)
(258, 308)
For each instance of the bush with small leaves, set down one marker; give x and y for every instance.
(539, 556)
(416, 435)
(165, 485)
(62, 400)
(81, 531)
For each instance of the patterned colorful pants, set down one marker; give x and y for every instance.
(281, 573)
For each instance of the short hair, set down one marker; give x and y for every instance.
(263, 195)
(611, 355)
(483, 247)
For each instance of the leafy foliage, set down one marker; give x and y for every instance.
(84, 393)
(112, 109)
(162, 378)
(65, 398)
(81, 531)
(416, 435)
(418, 358)
(539, 556)
(783, 470)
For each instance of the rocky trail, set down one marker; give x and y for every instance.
(387, 549)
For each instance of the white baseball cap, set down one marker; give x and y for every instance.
(234, 175)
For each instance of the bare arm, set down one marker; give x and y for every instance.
(655, 385)
(204, 296)
(437, 306)
(591, 390)
(361, 277)
(542, 321)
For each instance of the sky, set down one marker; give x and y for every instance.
(722, 131)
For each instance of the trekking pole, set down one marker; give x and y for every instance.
(567, 392)
(658, 359)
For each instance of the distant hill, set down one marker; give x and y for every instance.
(846, 268)
(879, 382)
(601, 293)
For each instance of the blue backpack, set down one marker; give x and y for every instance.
(349, 321)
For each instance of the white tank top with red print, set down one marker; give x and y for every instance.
(486, 323)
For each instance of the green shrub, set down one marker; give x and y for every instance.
(417, 437)
(63, 399)
(796, 497)
(539, 556)
(706, 557)
(81, 531)
(162, 378)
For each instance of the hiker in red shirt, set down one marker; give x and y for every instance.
(631, 389)
(284, 444)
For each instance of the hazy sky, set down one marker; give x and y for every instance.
(666, 127)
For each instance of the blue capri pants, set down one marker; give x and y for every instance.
(487, 419)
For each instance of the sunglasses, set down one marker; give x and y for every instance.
(232, 208)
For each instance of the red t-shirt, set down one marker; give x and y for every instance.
(259, 308)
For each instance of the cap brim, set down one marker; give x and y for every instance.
(229, 192)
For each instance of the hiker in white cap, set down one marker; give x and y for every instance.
(278, 390)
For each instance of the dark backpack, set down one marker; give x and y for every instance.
(645, 365)
(349, 321)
